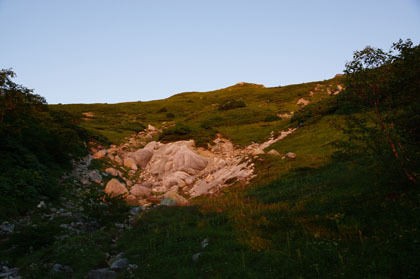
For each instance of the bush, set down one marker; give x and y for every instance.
(162, 110)
(170, 115)
(385, 85)
(231, 104)
(36, 146)
(201, 135)
(272, 118)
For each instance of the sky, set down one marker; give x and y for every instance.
(103, 51)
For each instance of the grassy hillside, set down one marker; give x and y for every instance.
(345, 207)
(201, 111)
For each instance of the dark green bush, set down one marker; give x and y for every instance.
(315, 111)
(170, 115)
(231, 104)
(182, 131)
(272, 118)
(36, 146)
(163, 109)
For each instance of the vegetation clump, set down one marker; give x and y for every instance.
(231, 104)
(36, 146)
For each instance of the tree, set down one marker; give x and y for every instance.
(15, 98)
(387, 83)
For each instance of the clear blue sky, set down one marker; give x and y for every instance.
(85, 51)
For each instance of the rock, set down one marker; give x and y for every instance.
(58, 268)
(196, 256)
(112, 171)
(131, 200)
(100, 154)
(115, 188)
(303, 102)
(175, 178)
(147, 184)
(41, 204)
(142, 157)
(153, 199)
(9, 273)
(176, 156)
(257, 151)
(290, 156)
(118, 160)
(6, 228)
(131, 268)
(103, 273)
(273, 152)
(140, 191)
(159, 189)
(136, 210)
(120, 264)
(173, 199)
(151, 128)
(95, 176)
(205, 243)
(153, 145)
(130, 163)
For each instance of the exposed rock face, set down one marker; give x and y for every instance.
(290, 156)
(130, 163)
(115, 188)
(273, 152)
(142, 157)
(95, 176)
(131, 200)
(100, 154)
(151, 128)
(172, 199)
(118, 160)
(140, 191)
(303, 102)
(176, 156)
(112, 171)
(285, 115)
(171, 173)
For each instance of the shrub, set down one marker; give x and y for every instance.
(36, 146)
(385, 85)
(170, 115)
(272, 118)
(231, 104)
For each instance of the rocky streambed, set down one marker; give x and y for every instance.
(172, 173)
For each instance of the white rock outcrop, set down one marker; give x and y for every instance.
(142, 157)
(303, 102)
(173, 172)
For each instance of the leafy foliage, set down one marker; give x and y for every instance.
(36, 144)
(385, 87)
(231, 104)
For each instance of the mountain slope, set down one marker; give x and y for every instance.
(327, 210)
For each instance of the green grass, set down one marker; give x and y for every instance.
(116, 121)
